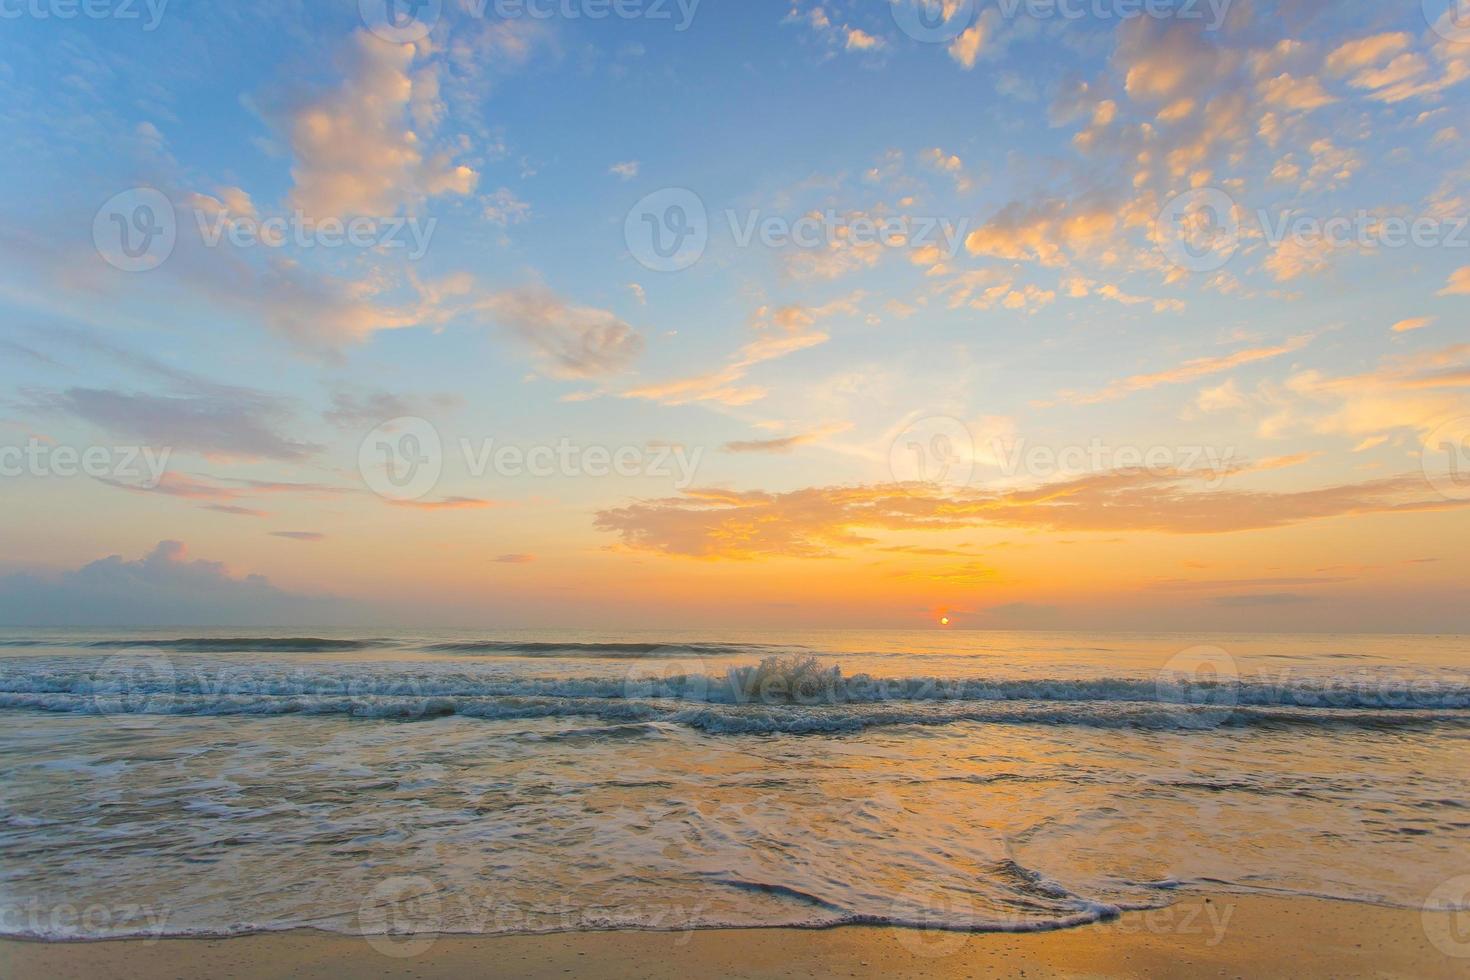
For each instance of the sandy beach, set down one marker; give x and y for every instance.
(1217, 935)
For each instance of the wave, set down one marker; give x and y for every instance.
(638, 718)
(790, 695)
(209, 644)
(244, 644)
(611, 650)
(316, 644)
(820, 914)
(773, 681)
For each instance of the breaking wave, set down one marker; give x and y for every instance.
(610, 650)
(222, 644)
(317, 644)
(776, 695)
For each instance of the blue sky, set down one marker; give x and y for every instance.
(1320, 373)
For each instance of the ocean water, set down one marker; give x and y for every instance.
(196, 782)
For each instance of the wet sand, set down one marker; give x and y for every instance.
(1215, 935)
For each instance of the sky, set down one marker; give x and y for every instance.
(1094, 314)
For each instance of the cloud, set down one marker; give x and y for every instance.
(570, 341)
(626, 170)
(1297, 257)
(1214, 585)
(1365, 52)
(179, 485)
(1192, 370)
(1458, 284)
(299, 535)
(1414, 392)
(163, 588)
(447, 503)
(1079, 286)
(1220, 398)
(20, 350)
(287, 487)
(237, 510)
(835, 36)
(1261, 599)
(241, 425)
(226, 495)
(1294, 94)
(1048, 231)
(354, 411)
(1163, 61)
(819, 521)
(315, 309)
(786, 443)
(1416, 323)
(515, 559)
(840, 255)
(356, 148)
(947, 163)
(785, 330)
(967, 47)
(1383, 66)
(1279, 462)
(320, 312)
(718, 386)
(503, 208)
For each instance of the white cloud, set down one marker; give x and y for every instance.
(356, 149)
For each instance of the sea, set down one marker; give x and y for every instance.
(218, 782)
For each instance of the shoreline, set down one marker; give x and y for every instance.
(1201, 934)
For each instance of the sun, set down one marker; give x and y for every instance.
(943, 620)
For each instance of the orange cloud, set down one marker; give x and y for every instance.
(447, 503)
(1045, 232)
(1296, 94)
(1192, 370)
(1414, 392)
(357, 151)
(820, 521)
(721, 386)
(787, 443)
(1365, 52)
(1459, 283)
